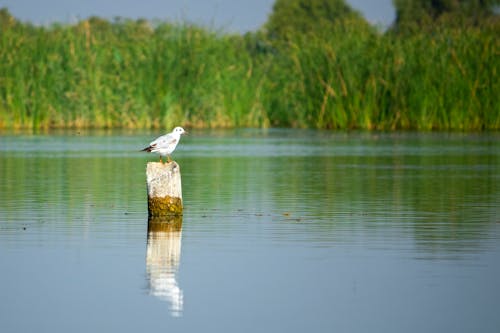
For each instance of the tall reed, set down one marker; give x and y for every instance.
(101, 74)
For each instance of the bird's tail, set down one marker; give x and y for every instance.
(148, 149)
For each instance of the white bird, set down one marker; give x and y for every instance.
(165, 144)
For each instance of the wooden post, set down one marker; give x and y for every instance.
(164, 189)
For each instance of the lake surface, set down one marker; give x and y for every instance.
(283, 231)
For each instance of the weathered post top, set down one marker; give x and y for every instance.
(164, 189)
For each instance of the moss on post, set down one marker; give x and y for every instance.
(164, 189)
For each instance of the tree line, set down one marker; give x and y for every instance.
(315, 63)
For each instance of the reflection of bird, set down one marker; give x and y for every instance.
(165, 145)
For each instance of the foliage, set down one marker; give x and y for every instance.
(291, 17)
(418, 14)
(128, 73)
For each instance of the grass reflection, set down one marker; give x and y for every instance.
(439, 190)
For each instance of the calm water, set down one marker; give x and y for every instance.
(283, 231)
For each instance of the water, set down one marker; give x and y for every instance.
(283, 231)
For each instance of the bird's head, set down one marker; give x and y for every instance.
(179, 130)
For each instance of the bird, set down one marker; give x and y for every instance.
(165, 144)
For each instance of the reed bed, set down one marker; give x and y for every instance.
(129, 74)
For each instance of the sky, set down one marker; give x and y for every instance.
(229, 15)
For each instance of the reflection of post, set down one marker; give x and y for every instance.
(162, 260)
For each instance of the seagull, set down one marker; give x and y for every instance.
(165, 144)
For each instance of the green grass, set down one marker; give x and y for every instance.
(127, 74)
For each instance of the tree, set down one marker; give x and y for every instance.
(6, 19)
(291, 17)
(421, 13)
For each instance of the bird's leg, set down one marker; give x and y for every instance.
(169, 160)
(161, 160)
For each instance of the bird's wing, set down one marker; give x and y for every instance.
(156, 141)
(164, 140)
(152, 145)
